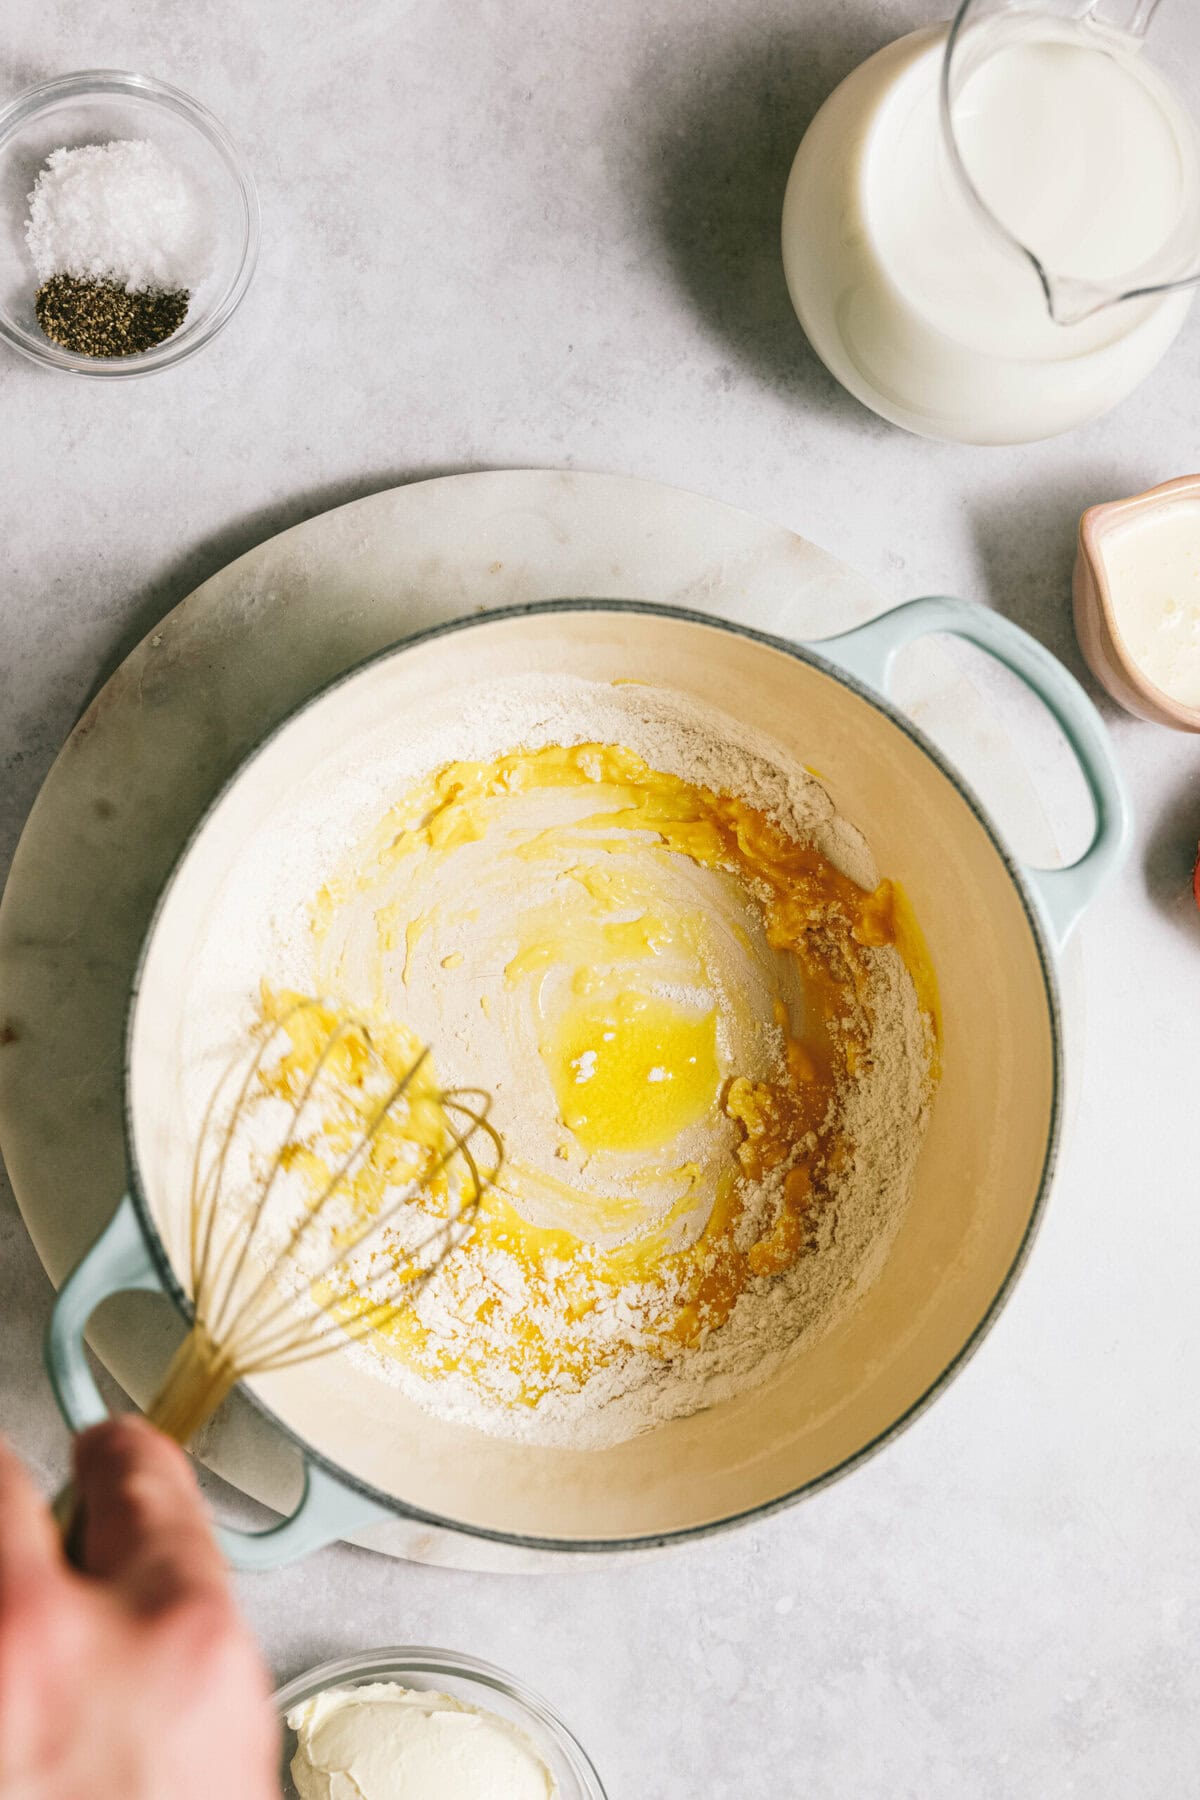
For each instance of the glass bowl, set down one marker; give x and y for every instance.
(92, 108)
(479, 1684)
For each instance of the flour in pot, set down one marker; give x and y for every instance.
(645, 930)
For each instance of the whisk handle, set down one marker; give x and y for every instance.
(120, 1259)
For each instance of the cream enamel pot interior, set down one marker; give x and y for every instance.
(993, 931)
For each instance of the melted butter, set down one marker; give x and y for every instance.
(353, 1070)
(631, 1067)
(887, 917)
(557, 937)
(413, 933)
(633, 1072)
(387, 927)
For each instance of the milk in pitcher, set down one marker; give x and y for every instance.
(963, 284)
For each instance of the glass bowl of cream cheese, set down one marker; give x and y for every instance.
(421, 1724)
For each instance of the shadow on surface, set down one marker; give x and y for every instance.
(28, 1415)
(1025, 534)
(19, 73)
(726, 127)
(216, 552)
(1171, 855)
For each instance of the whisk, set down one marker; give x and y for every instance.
(351, 1121)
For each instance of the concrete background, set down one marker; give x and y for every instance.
(517, 234)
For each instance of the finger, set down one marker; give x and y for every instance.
(29, 1547)
(145, 1526)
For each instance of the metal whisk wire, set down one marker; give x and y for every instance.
(246, 1321)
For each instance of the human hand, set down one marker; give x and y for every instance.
(135, 1679)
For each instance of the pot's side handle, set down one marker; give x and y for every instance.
(869, 652)
(329, 1508)
(119, 1260)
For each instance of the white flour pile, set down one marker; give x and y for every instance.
(474, 1310)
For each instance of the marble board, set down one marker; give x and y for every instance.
(236, 656)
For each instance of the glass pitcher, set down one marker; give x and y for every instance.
(992, 228)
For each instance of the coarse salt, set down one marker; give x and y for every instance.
(119, 212)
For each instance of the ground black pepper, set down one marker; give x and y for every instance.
(98, 318)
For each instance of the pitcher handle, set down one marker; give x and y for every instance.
(868, 654)
(329, 1506)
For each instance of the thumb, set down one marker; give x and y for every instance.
(145, 1525)
(29, 1547)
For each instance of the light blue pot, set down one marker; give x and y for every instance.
(699, 1475)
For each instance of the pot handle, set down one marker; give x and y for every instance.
(119, 1260)
(869, 652)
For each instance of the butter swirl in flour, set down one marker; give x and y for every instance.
(708, 1029)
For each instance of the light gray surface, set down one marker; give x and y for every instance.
(518, 234)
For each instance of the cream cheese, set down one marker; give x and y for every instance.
(382, 1741)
